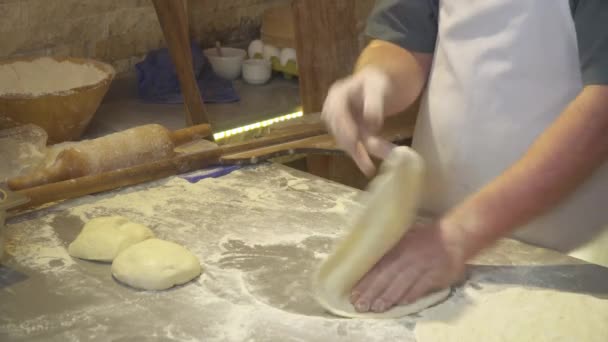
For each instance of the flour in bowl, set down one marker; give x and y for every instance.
(46, 76)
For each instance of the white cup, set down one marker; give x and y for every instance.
(257, 71)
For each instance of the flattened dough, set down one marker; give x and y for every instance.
(103, 238)
(156, 265)
(388, 213)
(519, 314)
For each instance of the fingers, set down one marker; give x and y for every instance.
(396, 290)
(369, 290)
(344, 125)
(356, 105)
(363, 160)
(367, 281)
(388, 273)
(339, 118)
(377, 146)
(373, 109)
(422, 286)
(375, 88)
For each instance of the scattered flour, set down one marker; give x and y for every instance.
(39, 247)
(46, 76)
(259, 241)
(22, 150)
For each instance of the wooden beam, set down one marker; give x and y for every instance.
(327, 46)
(173, 20)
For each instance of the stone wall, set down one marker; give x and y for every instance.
(117, 31)
(122, 31)
(229, 21)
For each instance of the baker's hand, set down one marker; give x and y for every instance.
(425, 260)
(354, 113)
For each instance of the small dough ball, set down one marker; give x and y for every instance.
(156, 265)
(103, 238)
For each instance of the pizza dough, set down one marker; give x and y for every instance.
(103, 238)
(389, 212)
(155, 265)
(519, 314)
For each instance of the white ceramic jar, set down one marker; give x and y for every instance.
(257, 71)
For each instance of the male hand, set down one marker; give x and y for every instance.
(354, 113)
(426, 259)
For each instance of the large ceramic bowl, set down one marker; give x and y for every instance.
(64, 114)
(229, 64)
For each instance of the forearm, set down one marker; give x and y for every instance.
(408, 71)
(560, 160)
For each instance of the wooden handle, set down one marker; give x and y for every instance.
(44, 176)
(173, 19)
(188, 134)
(71, 163)
(87, 185)
(273, 140)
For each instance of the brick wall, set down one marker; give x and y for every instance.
(117, 31)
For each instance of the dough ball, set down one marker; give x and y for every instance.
(103, 238)
(156, 265)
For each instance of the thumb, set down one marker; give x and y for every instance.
(363, 160)
(378, 146)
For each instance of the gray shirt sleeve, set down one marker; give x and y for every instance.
(411, 24)
(591, 22)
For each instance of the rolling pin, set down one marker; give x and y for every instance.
(285, 143)
(135, 146)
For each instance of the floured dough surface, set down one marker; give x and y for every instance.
(388, 213)
(46, 76)
(103, 238)
(156, 265)
(519, 314)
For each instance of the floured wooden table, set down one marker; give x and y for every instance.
(259, 233)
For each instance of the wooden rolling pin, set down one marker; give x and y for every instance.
(115, 179)
(135, 146)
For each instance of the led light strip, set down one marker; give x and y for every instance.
(265, 123)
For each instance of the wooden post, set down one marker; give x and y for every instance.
(187, 22)
(327, 46)
(173, 20)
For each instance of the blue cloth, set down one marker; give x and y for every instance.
(211, 172)
(157, 80)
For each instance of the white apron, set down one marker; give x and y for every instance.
(503, 71)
